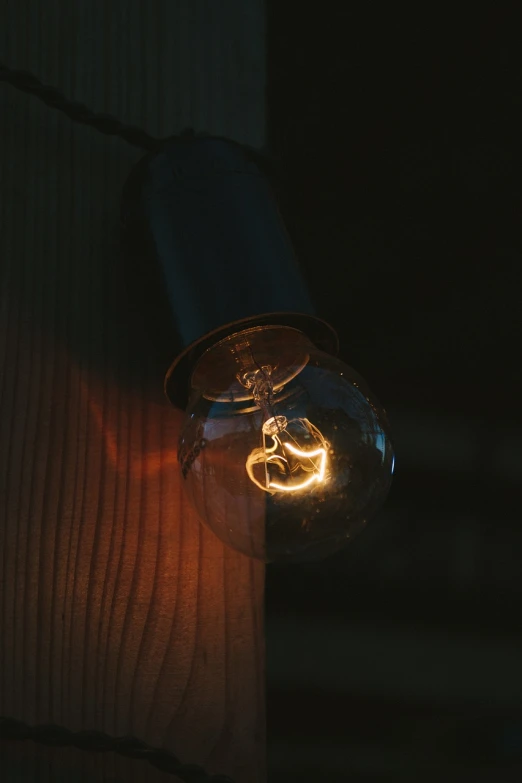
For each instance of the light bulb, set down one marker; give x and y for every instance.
(284, 452)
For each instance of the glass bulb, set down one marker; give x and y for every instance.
(284, 452)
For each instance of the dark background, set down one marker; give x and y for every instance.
(397, 142)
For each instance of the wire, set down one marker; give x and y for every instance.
(105, 123)
(57, 736)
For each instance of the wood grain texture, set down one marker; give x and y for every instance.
(118, 610)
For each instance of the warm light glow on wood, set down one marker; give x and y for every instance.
(133, 617)
(147, 463)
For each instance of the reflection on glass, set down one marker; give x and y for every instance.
(285, 453)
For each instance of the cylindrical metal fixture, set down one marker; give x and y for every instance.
(207, 226)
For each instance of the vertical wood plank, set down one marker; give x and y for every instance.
(118, 611)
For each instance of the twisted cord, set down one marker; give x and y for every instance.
(76, 111)
(96, 741)
(105, 123)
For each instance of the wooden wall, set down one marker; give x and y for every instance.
(118, 611)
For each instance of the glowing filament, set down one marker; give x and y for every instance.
(319, 476)
(313, 460)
